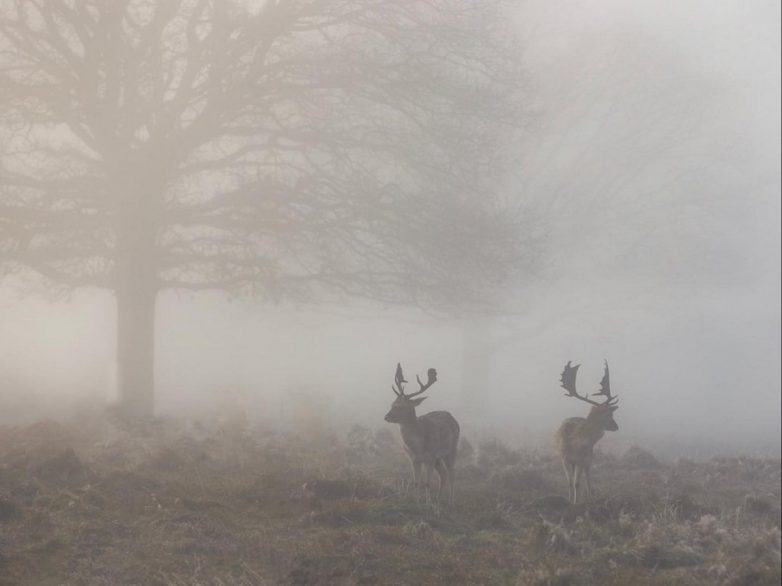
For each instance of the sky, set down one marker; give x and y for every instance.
(651, 171)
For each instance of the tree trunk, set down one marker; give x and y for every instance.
(136, 351)
(139, 191)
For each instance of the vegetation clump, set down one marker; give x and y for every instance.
(167, 505)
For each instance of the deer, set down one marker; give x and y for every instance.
(429, 440)
(577, 436)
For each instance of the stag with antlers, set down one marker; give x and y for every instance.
(577, 436)
(429, 440)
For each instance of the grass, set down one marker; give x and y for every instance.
(171, 505)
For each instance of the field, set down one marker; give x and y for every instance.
(175, 504)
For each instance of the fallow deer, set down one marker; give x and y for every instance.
(429, 440)
(577, 436)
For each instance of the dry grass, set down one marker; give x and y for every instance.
(167, 505)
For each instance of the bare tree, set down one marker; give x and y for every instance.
(300, 149)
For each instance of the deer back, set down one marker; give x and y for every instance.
(435, 435)
(576, 438)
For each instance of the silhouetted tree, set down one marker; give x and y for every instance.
(293, 150)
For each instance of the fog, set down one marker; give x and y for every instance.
(648, 175)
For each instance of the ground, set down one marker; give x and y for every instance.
(175, 504)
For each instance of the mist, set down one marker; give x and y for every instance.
(648, 177)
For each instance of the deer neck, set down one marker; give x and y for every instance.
(411, 432)
(593, 429)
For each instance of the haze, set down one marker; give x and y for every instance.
(649, 178)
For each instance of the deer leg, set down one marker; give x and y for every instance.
(416, 477)
(569, 476)
(577, 470)
(428, 481)
(588, 476)
(450, 464)
(442, 471)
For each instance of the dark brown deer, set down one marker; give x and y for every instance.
(429, 440)
(577, 436)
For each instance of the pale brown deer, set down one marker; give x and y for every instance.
(429, 440)
(577, 436)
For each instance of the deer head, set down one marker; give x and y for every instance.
(602, 414)
(403, 407)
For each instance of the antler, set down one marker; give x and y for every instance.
(431, 378)
(399, 381)
(605, 388)
(568, 382)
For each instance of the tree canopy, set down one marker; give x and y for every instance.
(295, 149)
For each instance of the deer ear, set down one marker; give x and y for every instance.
(417, 402)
